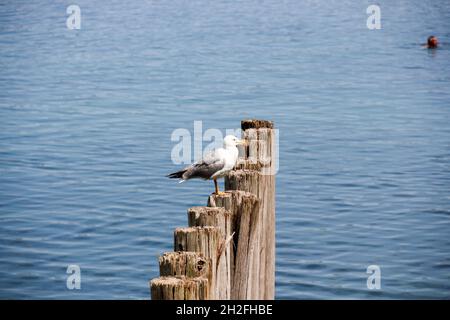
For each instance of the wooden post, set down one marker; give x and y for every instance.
(256, 174)
(221, 219)
(245, 211)
(184, 276)
(174, 288)
(210, 217)
(184, 264)
(210, 242)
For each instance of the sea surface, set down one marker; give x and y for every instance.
(86, 119)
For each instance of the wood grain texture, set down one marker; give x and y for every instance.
(244, 208)
(187, 264)
(221, 219)
(207, 241)
(179, 288)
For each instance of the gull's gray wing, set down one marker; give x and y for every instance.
(205, 168)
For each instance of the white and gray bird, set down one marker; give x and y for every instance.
(215, 164)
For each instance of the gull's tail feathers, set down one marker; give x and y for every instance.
(176, 175)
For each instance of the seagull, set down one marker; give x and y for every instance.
(215, 164)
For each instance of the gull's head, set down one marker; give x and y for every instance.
(232, 141)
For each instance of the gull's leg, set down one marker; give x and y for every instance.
(216, 185)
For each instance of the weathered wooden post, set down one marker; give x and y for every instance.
(228, 250)
(255, 174)
(184, 264)
(184, 276)
(244, 207)
(220, 219)
(178, 288)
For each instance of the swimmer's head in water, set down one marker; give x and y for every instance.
(432, 42)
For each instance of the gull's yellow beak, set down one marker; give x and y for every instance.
(242, 142)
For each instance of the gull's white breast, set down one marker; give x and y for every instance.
(229, 156)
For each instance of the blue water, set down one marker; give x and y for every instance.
(86, 118)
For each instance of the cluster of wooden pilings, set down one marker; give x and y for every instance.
(228, 250)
